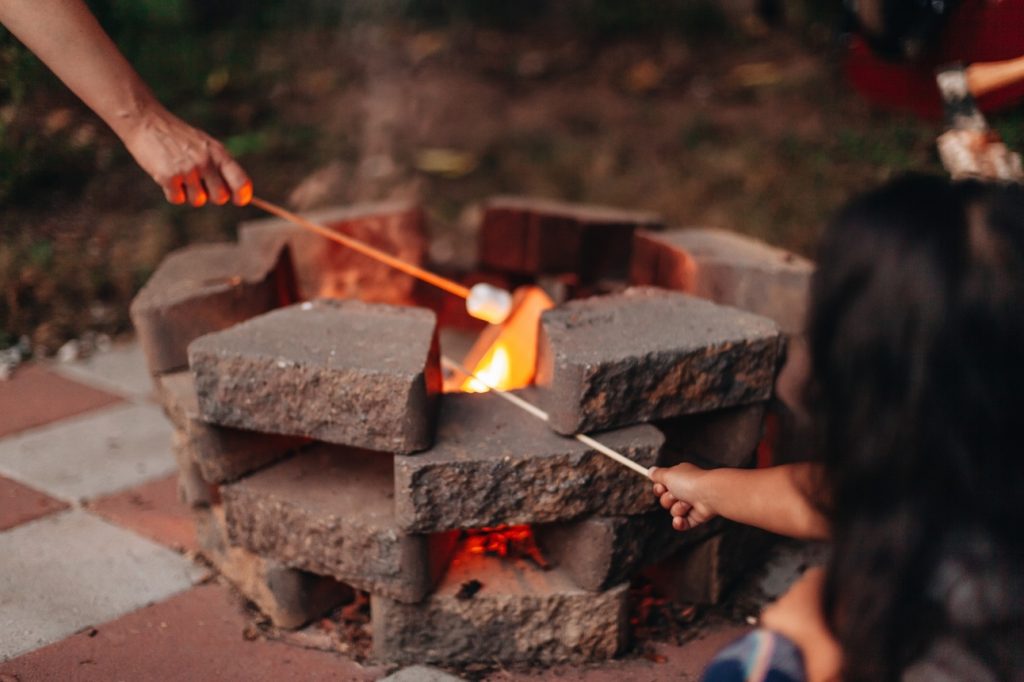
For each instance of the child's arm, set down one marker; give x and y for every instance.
(798, 616)
(775, 499)
(185, 162)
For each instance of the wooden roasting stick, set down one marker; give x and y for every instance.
(483, 301)
(543, 416)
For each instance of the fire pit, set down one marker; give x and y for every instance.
(324, 449)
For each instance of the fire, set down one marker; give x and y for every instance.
(505, 355)
(517, 542)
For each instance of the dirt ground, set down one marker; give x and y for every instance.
(752, 129)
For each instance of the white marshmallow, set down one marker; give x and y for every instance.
(489, 303)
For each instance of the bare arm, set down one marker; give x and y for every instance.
(775, 499)
(185, 162)
(798, 615)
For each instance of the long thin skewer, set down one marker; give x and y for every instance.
(542, 415)
(363, 248)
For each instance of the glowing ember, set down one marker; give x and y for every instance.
(517, 542)
(505, 355)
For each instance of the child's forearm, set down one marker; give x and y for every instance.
(775, 499)
(67, 38)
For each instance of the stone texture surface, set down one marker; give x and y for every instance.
(153, 510)
(420, 673)
(202, 289)
(36, 396)
(220, 453)
(327, 269)
(197, 635)
(20, 504)
(536, 236)
(702, 573)
(193, 490)
(728, 268)
(520, 614)
(494, 464)
(723, 438)
(602, 551)
(649, 354)
(331, 511)
(289, 597)
(46, 596)
(120, 369)
(92, 454)
(343, 372)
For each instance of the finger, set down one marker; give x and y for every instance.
(667, 500)
(194, 189)
(215, 186)
(656, 474)
(174, 190)
(659, 490)
(237, 179)
(680, 509)
(679, 523)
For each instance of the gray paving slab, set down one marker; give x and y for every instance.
(65, 572)
(121, 369)
(421, 673)
(98, 453)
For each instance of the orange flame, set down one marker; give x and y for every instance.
(505, 355)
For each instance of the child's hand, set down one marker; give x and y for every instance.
(678, 489)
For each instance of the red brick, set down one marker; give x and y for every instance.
(20, 504)
(202, 289)
(35, 396)
(197, 635)
(326, 269)
(153, 510)
(537, 236)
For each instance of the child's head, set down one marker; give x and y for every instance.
(917, 345)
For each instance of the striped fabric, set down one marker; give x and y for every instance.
(761, 656)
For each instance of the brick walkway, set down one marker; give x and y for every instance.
(95, 579)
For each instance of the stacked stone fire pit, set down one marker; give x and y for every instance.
(321, 456)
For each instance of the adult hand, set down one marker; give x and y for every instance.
(188, 164)
(679, 490)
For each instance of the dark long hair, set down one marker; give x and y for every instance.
(917, 343)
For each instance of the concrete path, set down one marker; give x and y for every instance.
(95, 579)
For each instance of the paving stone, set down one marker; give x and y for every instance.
(121, 369)
(602, 551)
(330, 511)
(537, 236)
(728, 268)
(20, 504)
(520, 613)
(36, 396)
(193, 490)
(153, 510)
(421, 673)
(702, 573)
(93, 454)
(327, 269)
(344, 372)
(220, 453)
(197, 635)
(69, 570)
(289, 597)
(649, 354)
(723, 438)
(201, 289)
(495, 464)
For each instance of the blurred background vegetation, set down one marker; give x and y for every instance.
(694, 108)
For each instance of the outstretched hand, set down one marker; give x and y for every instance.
(189, 165)
(678, 489)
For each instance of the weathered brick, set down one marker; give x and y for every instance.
(726, 437)
(521, 614)
(327, 269)
(288, 596)
(193, 490)
(344, 372)
(330, 510)
(601, 551)
(727, 268)
(202, 289)
(536, 236)
(220, 453)
(648, 354)
(702, 573)
(495, 464)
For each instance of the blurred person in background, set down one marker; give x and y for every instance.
(189, 165)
